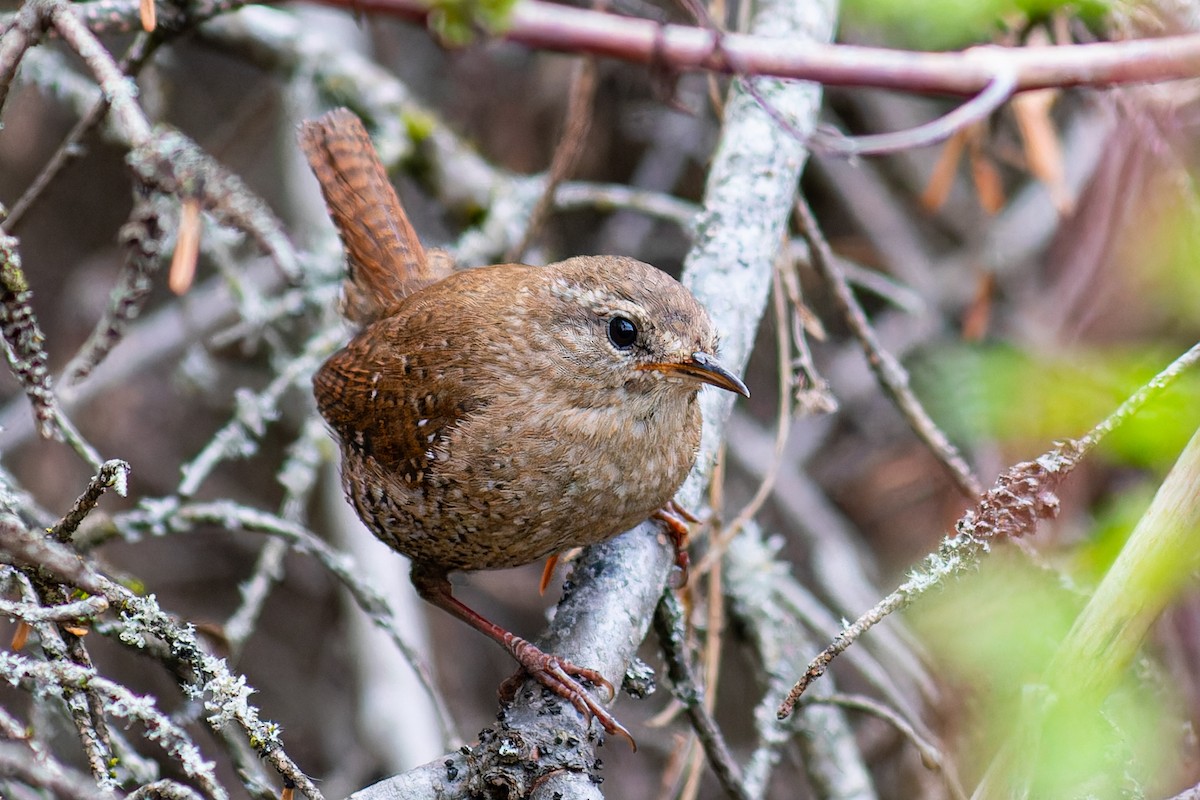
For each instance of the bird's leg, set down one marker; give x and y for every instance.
(548, 573)
(676, 518)
(556, 674)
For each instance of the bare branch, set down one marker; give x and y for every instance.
(931, 754)
(668, 624)
(32, 612)
(112, 475)
(227, 694)
(548, 26)
(23, 338)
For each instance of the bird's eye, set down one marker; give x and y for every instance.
(622, 333)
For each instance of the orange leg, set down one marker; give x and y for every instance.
(560, 676)
(676, 518)
(548, 573)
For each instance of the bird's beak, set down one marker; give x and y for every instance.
(704, 368)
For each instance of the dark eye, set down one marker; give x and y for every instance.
(622, 333)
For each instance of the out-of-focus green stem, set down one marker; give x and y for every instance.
(1159, 557)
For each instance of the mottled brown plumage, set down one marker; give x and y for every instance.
(499, 415)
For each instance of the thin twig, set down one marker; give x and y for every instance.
(16, 762)
(23, 340)
(714, 627)
(891, 375)
(117, 87)
(774, 614)
(931, 755)
(24, 32)
(668, 623)
(167, 515)
(298, 476)
(226, 694)
(581, 97)
(120, 702)
(70, 149)
(1136, 401)
(885, 287)
(783, 427)
(33, 612)
(614, 196)
(142, 237)
(172, 163)
(239, 437)
(23, 344)
(111, 475)
(83, 704)
(977, 109)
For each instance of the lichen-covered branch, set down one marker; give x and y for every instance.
(225, 694)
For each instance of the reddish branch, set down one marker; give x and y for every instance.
(542, 25)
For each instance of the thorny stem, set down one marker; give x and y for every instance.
(675, 48)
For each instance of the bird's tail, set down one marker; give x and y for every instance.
(386, 261)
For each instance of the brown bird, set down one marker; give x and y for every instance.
(495, 416)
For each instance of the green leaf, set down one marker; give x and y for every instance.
(457, 22)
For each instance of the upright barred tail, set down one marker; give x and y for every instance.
(385, 258)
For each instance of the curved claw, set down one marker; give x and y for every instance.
(563, 678)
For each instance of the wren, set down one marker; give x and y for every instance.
(495, 416)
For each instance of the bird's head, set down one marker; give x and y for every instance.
(631, 331)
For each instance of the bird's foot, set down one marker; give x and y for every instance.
(563, 678)
(676, 519)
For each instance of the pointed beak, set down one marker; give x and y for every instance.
(704, 368)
